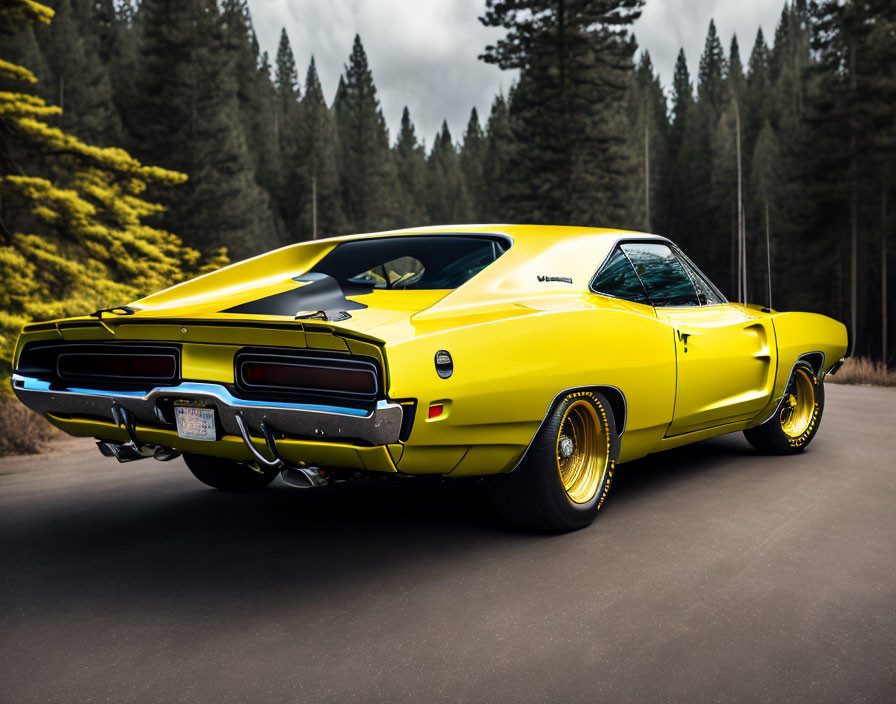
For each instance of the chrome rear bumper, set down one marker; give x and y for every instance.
(380, 426)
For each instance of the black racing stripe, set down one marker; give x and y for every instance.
(321, 292)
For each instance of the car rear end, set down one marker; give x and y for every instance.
(287, 393)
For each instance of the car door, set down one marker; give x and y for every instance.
(725, 356)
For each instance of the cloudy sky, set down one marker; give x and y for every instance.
(423, 53)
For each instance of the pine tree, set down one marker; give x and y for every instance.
(369, 184)
(315, 175)
(711, 89)
(286, 80)
(682, 92)
(257, 102)
(410, 164)
(568, 161)
(676, 183)
(758, 89)
(472, 163)
(851, 41)
(764, 191)
(80, 79)
(449, 202)
(648, 130)
(498, 141)
(73, 236)
(715, 118)
(736, 81)
(190, 121)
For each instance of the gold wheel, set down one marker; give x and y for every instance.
(583, 450)
(799, 404)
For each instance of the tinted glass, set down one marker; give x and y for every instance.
(425, 262)
(707, 294)
(399, 273)
(666, 281)
(618, 279)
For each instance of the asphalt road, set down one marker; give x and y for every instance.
(712, 574)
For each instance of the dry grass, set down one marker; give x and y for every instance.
(22, 431)
(861, 370)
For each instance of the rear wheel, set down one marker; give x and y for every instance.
(228, 475)
(796, 421)
(565, 476)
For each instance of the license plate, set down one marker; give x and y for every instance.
(195, 423)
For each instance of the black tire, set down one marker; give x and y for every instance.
(228, 475)
(534, 495)
(782, 434)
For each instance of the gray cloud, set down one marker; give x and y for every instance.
(666, 26)
(423, 54)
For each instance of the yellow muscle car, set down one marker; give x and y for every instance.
(539, 357)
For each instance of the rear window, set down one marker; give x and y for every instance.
(425, 262)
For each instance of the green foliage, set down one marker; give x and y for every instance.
(568, 162)
(648, 130)
(287, 77)
(369, 181)
(410, 165)
(498, 140)
(449, 201)
(713, 69)
(313, 164)
(472, 162)
(78, 80)
(190, 121)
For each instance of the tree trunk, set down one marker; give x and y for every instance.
(768, 255)
(735, 263)
(741, 239)
(314, 205)
(646, 171)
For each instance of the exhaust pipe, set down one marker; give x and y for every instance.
(303, 477)
(123, 452)
(127, 452)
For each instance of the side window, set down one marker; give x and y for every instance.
(618, 279)
(664, 278)
(707, 294)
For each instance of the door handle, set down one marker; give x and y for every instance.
(683, 336)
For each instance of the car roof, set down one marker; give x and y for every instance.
(544, 260)
(529, 235)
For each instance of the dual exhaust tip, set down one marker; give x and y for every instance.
(297, 475)
(301, 477)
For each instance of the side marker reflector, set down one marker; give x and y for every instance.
(435, 411)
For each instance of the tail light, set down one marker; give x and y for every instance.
(313, 375)
(104, 365)
(132, 367)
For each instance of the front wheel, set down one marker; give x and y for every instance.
(796, 420)
(228, 475)
(565, 476)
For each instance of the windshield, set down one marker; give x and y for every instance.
(425, 262)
